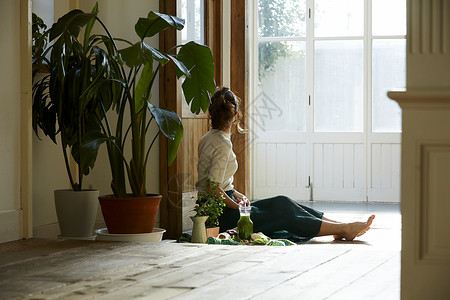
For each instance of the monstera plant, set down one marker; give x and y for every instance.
(122, 82)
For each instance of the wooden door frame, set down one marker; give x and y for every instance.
(239, 87)
(169, 97)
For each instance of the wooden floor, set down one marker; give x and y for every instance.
(321, 269)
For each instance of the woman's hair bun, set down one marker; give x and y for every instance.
(223, 106)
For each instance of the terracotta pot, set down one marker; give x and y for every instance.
(130, 215)
(212, 232)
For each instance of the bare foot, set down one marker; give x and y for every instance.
(369, 222)
(356, 229)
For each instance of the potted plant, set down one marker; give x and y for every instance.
(66, 106)
(208, 209)
(128, 88)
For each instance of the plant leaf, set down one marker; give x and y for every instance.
(90, 144)
(141, 53)
(155, 53)
(143, 88)
(135, 55)
(132, 56)
(174, 144)
(197, 88)
(87, 32)
(181, 68)
(155, 23)
(170, 125)
(73, 21)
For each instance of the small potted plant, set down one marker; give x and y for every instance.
(208, 209)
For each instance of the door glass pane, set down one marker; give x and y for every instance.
(389, 17)
(388, 72)
(338, 18)
(280, 18)
(192, 11)
(280, 99)
(338, 80)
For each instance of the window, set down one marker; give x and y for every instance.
(388, 62)
(192, 11)
(330, 62)
(322, 125)
(281, 66)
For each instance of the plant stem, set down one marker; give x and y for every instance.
(148, 124)
(106, 120)
(66, 162)
(149, 148)
(153, 78)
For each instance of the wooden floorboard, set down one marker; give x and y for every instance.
(379, 283)
(330, 275)
(265, 276)
(321, 269)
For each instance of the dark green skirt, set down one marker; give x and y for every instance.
(278, 217)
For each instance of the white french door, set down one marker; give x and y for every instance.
(322, 126)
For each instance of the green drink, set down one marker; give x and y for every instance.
(244, 225)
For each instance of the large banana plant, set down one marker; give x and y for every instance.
(126, 86)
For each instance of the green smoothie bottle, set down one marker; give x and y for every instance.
(245, 224)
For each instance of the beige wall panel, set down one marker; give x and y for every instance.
(48, 168)
(10, 209)
(434, 203)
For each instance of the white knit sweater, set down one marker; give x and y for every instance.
(216, 160)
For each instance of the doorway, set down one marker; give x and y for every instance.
(322, 126)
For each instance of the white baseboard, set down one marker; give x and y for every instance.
(51, 231)
(47, 231)
(11, 225)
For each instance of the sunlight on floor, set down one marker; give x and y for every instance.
(385, 231)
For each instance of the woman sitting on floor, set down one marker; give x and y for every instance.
(277, 217)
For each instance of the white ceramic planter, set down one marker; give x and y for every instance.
(76, 211)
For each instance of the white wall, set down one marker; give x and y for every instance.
(10, 210)
(48, 164)
(45, 10)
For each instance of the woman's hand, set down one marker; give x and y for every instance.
(240, 198)
(230, 203)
